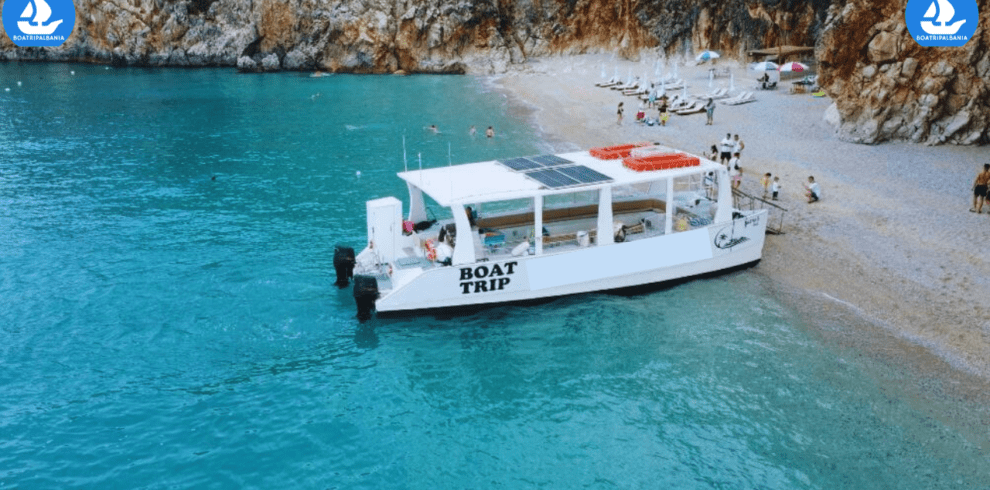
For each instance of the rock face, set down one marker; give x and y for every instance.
(885, 86)
(439, 36)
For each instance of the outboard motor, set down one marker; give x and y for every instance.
(343, 263)
(365, 294)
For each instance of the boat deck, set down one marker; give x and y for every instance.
(564, 229)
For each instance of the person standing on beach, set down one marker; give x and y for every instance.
(726, 146)
(712, 154)
(619, 113)
(765, 182)
(980, 189)
(812, 190)
(663, 114)
(735, 171)
(775, 188)
(737, 145)
(710, 110)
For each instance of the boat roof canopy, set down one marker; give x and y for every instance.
(494, 181)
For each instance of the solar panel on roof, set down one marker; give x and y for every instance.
(584, 174)
(551, 178)
(550, 160)
(520, 164)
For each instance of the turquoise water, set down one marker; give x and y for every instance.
(160, 329)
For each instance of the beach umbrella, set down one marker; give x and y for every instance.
(707, 55)
(793, 66)
(765, 66)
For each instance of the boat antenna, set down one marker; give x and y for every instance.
(450, 162)
(405, 164)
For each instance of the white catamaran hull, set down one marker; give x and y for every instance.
(622, 265)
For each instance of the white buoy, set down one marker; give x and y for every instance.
(18, 83)
(73, 72)
(6, 89)
(358, 173)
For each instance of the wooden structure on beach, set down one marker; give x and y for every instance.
(779, 53)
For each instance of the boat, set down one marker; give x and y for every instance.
(532, 228)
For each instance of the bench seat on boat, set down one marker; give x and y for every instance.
(566, 214)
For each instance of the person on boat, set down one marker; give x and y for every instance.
(735, 171)
(471, 216)
(664, 114)
(619, 114)
(726, 147)
(710, 187)
(710, 110)
(490, 132)
(980, 189)
(812, 190)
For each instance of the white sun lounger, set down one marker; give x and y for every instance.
(695, 107)
(717, 94)
(742, 98)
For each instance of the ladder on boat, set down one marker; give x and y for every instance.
(775, 215)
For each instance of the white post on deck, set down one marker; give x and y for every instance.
(724, 211)
(538, 231)
(671, 208)
(605, 233)
(464, 249)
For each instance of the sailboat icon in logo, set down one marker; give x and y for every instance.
(945, 13)
(38, 12)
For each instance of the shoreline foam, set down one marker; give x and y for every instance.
(892, 241)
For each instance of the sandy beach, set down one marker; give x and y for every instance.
(891, 246)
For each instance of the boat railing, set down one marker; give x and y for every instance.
(775, 212)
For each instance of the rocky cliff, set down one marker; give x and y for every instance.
(380, 36)
(884, 85)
